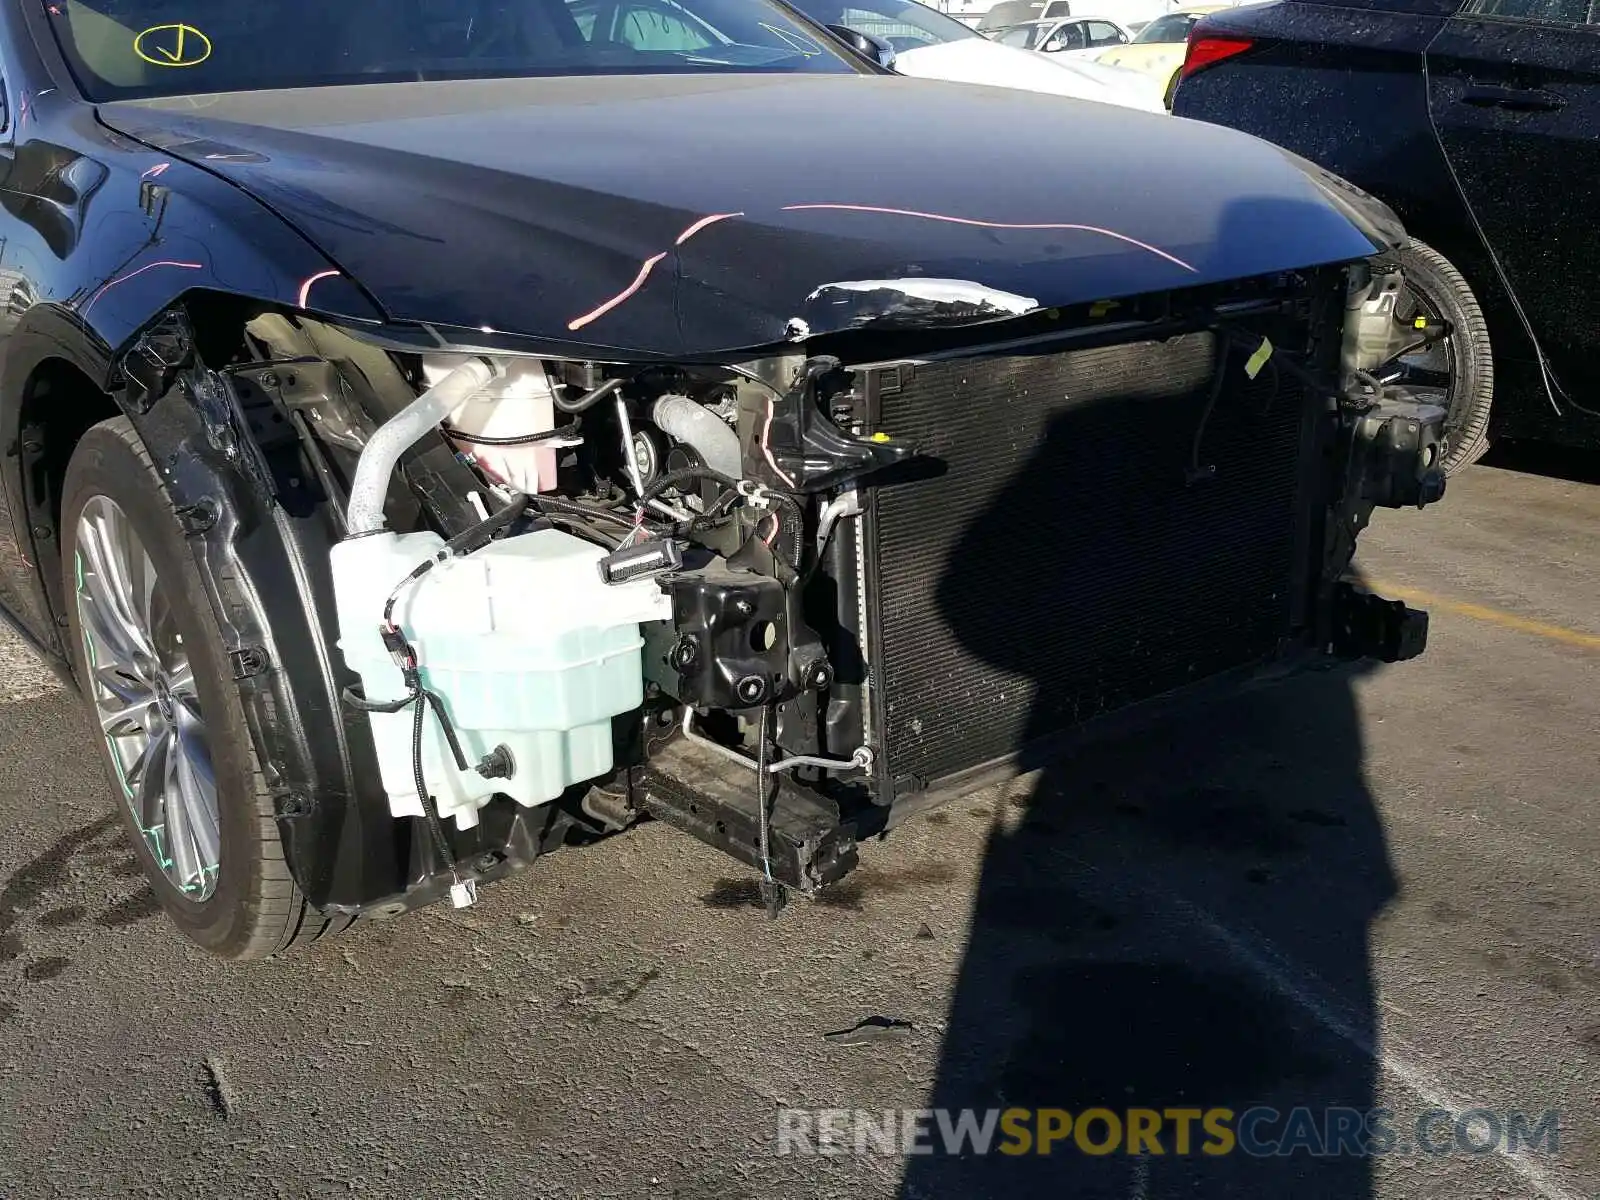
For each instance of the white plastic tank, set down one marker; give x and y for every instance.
(524, 643)
(514, 404)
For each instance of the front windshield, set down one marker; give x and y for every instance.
(120, 49)
(1174, 27)
(1026, 36)
(904, 24)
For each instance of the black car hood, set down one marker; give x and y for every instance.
(694, 214)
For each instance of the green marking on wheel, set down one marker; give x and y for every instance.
(153, 836)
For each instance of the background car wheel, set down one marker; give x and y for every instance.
(1460, 369)
(159, 692)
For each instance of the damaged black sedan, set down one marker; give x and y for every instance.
(440, 433)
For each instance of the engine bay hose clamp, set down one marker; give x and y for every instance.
(756, 495)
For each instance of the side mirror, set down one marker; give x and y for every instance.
(866, 45)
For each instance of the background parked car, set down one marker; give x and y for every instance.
(1014, 12)
(1129, 13)
(1479, 123)
(1158, 49)
(930, 45)
(1073, 37)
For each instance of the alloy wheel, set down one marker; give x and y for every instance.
(143, 689)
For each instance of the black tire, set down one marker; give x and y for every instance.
(255, 910)
(1442, 291)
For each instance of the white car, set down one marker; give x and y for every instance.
(1072, 37)
(1130, 14)
(929, 45)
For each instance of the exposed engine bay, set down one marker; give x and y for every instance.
(783, 603)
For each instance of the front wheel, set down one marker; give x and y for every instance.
(1457, 372)
(166, 714)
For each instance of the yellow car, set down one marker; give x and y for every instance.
(1159, 48)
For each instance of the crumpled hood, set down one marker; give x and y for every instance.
(688, 215)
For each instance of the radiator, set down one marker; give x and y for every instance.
(1070, 561)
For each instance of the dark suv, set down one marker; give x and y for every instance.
(1479, 123)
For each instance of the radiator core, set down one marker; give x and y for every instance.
(1070, 560)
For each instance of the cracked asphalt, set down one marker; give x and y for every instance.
(1369, 888)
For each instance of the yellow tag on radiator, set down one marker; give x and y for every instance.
(1420, 323)
(1253, 364)
(881, 437)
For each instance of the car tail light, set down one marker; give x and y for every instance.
(1206, 50)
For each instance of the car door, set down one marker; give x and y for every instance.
(1514, 91)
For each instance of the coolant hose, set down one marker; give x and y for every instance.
(402, 431)
(698, 426)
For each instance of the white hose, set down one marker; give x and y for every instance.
(399, 433)
(701, 428)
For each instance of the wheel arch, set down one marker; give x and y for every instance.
(264, 563)
(195, 381)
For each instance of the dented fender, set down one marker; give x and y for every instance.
(191, 231)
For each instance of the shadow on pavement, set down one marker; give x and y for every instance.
(1121, 894)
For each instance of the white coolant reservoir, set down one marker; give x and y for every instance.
(512, 405)
(523, 642)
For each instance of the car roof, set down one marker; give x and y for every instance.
(1069, 20)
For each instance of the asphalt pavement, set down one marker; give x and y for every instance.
(1356, 889)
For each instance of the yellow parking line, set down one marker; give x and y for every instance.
(1494, 616)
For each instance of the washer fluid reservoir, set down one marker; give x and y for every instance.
(524, 644)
